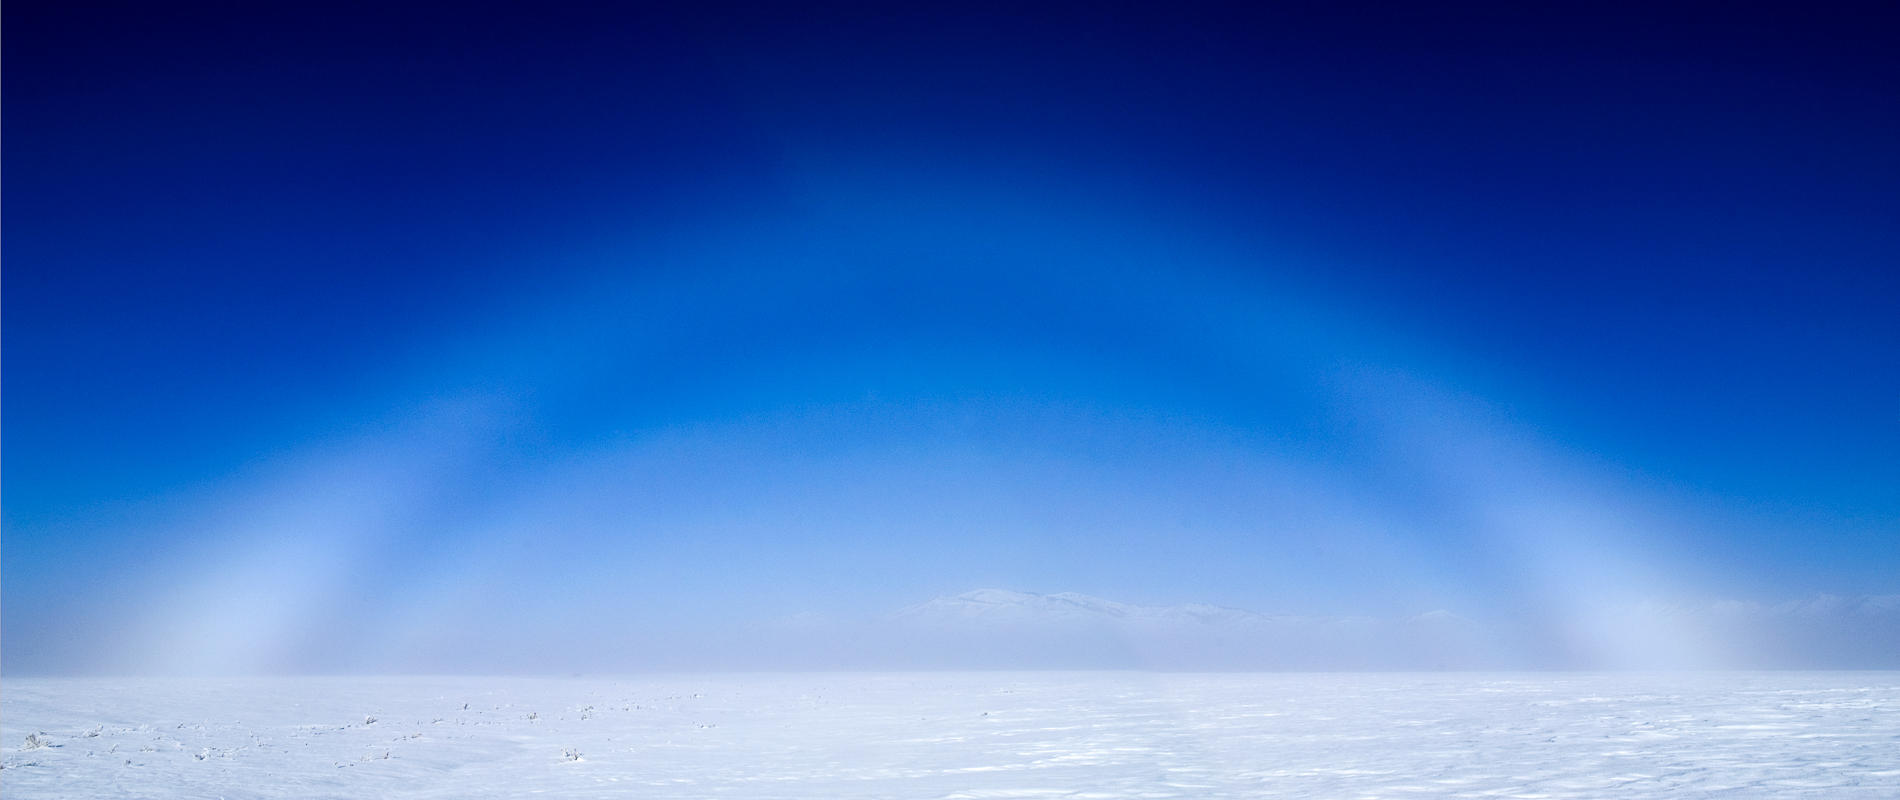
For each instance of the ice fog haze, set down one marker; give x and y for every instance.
(628, 338)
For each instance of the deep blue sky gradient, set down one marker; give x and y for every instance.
(847, 307)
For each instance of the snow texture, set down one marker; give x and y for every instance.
(961, 735)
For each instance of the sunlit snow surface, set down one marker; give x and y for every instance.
(961, 735)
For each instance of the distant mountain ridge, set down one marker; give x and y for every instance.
(1069, 629)
(1011, 607)
(1006, 627)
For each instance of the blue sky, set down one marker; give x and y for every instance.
(325, 329)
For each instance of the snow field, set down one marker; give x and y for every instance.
(960, 735)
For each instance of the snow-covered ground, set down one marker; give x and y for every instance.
(960, 735)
